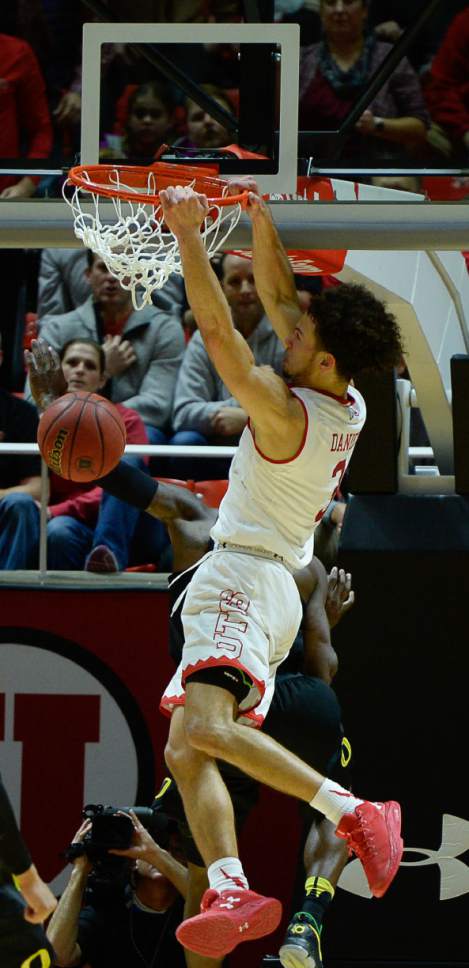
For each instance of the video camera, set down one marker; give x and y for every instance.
(111, 829)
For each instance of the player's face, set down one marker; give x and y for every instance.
(106, 289)
(302, 350)
(81, 368)
(240, 291)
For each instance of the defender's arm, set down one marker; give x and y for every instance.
(167, 502)
(320, 658)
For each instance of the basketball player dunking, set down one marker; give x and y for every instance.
(242, 609)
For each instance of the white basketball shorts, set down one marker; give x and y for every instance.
(240, 610)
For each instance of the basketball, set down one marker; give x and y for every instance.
(81, 436)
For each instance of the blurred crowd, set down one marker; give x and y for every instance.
(152, 363)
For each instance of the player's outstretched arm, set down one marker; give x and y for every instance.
(273, 275)
(16, 859)
(40, 901)
(261, 393)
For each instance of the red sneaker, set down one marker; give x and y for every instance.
(373, 833)
(226, 918)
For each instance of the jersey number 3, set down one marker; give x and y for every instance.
(339, 471)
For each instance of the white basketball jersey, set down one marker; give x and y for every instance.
(276, 505)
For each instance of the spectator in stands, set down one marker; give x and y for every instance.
(20, 479)
(447, 88)
(25, 124)
(53, 29)
(25, 134)
(203, 131)
(204, 411)
(89, 529)
(128, 917)
(175, 11)
(391, 17)
(63, 284)
(147, 124)
(143, 349)
(334, 73)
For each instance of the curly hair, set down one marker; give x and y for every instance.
(357, 329)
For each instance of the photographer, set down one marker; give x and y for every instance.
(120, 910)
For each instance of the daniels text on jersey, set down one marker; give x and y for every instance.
(342, 442)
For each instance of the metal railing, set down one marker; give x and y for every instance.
(142, 450)
(139, 450)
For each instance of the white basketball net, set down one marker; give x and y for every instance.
(136, 246)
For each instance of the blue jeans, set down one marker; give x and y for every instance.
(155, 436)
(132, 535)
(187, 468)
(68, 543)
(19, 532)
(158, 466)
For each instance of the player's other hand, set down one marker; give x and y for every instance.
(40, 902)
(183, 209)
(46, 378)
(242, 183)
(340, 595)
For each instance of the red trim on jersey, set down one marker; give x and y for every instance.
(288, 460)
(169, 703)
(253, 716)
(345, 402)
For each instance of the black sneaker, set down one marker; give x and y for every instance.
(302, 945)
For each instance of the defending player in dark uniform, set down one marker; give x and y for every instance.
(305, 715)
(25, 901)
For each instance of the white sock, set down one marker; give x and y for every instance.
(227, 874)
(333, 801)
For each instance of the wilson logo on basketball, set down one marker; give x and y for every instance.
(55, 455)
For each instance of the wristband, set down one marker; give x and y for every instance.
(130, 484)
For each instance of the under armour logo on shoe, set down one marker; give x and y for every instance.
(230, 902)
(244, 927)
(454, 874)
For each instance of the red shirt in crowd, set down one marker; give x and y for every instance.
(25, 124)
(82, 500)
(447, 89)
